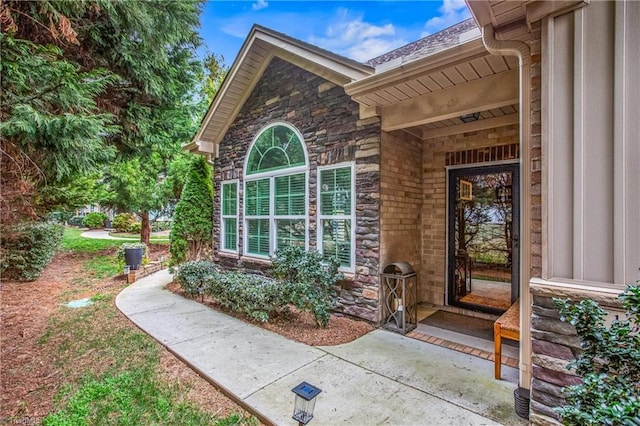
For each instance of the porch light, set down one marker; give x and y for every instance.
(468, 118)
(305, 402)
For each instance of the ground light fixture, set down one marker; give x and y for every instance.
(126, 270)
(305, 402)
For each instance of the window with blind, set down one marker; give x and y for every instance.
(275, 191)
(336, 215)
(230, 216)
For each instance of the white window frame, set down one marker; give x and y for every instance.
(271, 175)
(320, 217)
(223, 234)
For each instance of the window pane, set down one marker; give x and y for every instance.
(290, 195)
(230, 234)
(276, 148)
(335, 191)
(336, 240)
(258, 233)
(290, 233)
(257, 198)
(230, 199)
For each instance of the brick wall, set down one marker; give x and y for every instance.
(401, 199)
(432, 279)
(333, 133)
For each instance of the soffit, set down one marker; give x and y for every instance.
(255, 55)
(512, 19)
(439, 88)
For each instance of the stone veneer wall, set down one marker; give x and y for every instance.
(333, 132)
(401, 199)
(554, 344)
(431, 287)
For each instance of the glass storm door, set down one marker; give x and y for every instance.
(483, 237)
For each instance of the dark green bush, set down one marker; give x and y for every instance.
(259, 297)
(94, 220)
(59, 217)
(75, 221)
(609, 364)
(311, 280)
(192, 276)
(123, 221)
(27, 249)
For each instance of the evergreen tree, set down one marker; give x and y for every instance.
(86, 82)
(192, 226)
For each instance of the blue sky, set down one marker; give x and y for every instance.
(360, 30)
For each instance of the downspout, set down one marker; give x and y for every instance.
(523, 52)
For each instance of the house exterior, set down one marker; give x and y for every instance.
(500, 155)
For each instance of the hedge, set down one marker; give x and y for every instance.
(25, 250)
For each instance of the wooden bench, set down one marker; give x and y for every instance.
(507, 326)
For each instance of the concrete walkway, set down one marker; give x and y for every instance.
(380, 378)
(101, 234)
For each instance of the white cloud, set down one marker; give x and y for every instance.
(260, 4)
(357, 39)
(451, 12)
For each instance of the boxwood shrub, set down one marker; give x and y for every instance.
(26, 249)
(192, 276)
(94, 220)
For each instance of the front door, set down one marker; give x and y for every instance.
(483, 237)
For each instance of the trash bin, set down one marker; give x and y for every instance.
(400, 292)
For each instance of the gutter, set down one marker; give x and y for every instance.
(523, 52)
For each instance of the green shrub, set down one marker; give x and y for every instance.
(310, 279)
(609, 364)
(256, 296)
(192, 276)
(27, 249)
(161, 225)
(135, 228)
(59, 217)
(191, 232)
(94, 220)
(123, 221)
(75, 221)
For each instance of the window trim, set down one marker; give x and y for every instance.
(320, 217)
(271, 175)
(223, 216)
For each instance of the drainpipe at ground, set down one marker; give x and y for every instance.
(523, 52)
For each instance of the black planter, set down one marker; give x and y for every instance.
(133, 257)
(522, 400)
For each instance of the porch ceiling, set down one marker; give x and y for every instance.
(440, 88)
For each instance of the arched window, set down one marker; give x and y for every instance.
(275, 195)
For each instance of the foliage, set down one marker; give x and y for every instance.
(60, 217)
(160, 225)
(73, 241)
(256, 296)
(135, 228)
(609, 363)
(122, 221)
(94, 220)
(192, 276)
(192, 225)
(131, 246)
(27, 248)
(311, 280)
(85, 81)
(75, 221)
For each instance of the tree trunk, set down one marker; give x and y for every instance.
(145, 231)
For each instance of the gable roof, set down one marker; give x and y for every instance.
(261, 45)
(444, 39)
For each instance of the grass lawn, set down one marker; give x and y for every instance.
(109, 372)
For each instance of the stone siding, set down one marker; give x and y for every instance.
(333, 133)
(432, 280)
(554, 343)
